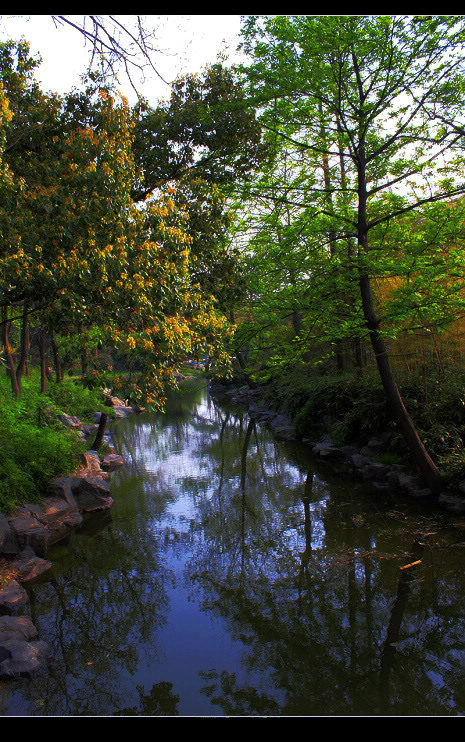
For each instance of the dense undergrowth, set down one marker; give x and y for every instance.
(350, 408)
(34, 445)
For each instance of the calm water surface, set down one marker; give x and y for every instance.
(235, 577)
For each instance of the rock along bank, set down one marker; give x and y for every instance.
(360, 462)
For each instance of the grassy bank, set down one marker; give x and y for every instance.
(351, 409)
(34, 445)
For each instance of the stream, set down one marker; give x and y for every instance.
(235, 576)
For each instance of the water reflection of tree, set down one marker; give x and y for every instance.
(99, 613)
(160, 701)
(322, 625)
(103, 608)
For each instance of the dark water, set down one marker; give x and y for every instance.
(235, 578)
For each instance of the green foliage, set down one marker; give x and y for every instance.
(437, 405)
(90, 266)
(376, 176)
(34, 446)
(348, 408)
(71, 395)
(205, 129)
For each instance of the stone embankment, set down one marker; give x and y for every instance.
(360, 462)
(27, 534)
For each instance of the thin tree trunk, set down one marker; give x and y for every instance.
(428, 469)
(357, 347)
(84, 361)
(339, 350)
(358, 357)
(43, 360)
(297, 322)
(56, 357)
(423, 460)
(21, 368)
(101, 431)
(340, 356)
(8, 355)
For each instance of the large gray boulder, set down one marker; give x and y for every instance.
(91, 493)
(122, 411)
(19, 628)
(39, 526)
(13, 599)
(28, 566)
(87, 490)
(21, 658)
(112, 461)
(8, 544)
(29, 531)
(70, 421)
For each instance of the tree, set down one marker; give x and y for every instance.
(205, 130)
(202, 142)
(389, 90)
(115, 42)
(78, 251)
(32, 119)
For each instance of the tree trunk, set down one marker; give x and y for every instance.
(332, 237)
(56, 357)
(43, 360)
(101, 431)
(358, 357)
(8, 355)
(340, 356)
(84, 361)
(429, 471)
(21, 368)
(297, 322)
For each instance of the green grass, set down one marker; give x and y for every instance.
(34, 446)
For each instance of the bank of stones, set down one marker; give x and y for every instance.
(358, 461)
(27, 534)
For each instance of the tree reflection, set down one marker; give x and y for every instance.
(234, 700)
(107, 601)
(160, 701)
(315, 621)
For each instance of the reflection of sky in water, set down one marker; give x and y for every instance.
(182, 469)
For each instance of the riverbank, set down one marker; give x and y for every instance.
(30, 530)
(371, 460)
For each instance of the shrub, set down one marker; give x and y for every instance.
(71, 397)
(34, 445)
(31, 457)
(349, 408)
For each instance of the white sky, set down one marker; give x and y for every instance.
(186, 43)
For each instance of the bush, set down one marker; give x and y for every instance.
(34, 446)
(31, 457)
(348, 408)
(70, 395)
(352, 408)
